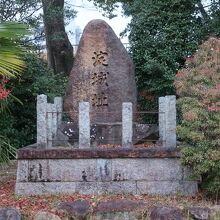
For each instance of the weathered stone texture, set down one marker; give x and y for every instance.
(115, 187)
(98, 175)
(170, 121)
(102, 74)
(151, 169)
(119, 206)
(68, 170)
(127, 124)
(68, 153)
(166, 213)
(42, 215)
(84, 125)
(44, 188)
(9, 214)
(22, 171)
(162, 132)
(78, 208)
(38, 170)
(200, 213)
(104, 170)
(41, 120)
(167, 187)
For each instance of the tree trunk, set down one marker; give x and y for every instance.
(59, 49)
(202, 10)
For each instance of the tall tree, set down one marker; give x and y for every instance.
(60, 55)
(26, 12)
(59, 49)
(20, 11)
(162, 35)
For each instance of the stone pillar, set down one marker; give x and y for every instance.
(84, 125)
(42, 120)
(127, 124)
(170, 121)
(54, 123)
(49, 125)
(58, 101)
(162, 132)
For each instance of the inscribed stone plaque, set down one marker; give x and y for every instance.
(102, 74)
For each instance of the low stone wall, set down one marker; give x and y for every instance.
(98, 171)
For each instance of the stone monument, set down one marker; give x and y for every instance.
(102, 74)
(102, 82)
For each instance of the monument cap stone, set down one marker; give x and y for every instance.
(102, 74)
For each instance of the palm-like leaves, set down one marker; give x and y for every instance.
(10, 62)
(11, 65)
(7, 151)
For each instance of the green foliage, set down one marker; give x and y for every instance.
(10, 62)
(7, 151)
(19, 10)
(11, 65)
(198, 85)
(29, 12)
(162, 35)
(19, 125)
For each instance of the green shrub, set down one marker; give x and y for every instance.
(7, 151)
(19, 123)
(198, 87)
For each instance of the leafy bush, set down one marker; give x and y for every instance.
(7, 151)
(198, 87)
(19, 123)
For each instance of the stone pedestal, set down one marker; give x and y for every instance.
(97, 171)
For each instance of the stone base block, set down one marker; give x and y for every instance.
(98, 188)
(144, 173)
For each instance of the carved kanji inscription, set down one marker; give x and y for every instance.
(100, 58)
(99, 78)
(99, 100)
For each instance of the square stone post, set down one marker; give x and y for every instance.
(57, 117)
(127, 124)
(84, 125)
(162, 132)
(170, 121)
(42, 120)
(58, 102)
(49, 125)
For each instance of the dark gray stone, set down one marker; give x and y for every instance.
(166, 213)
(76, 208)
(215, 212)
(115, 216)
(199, 213)
(9, 214)
(145, 132)
(42, 215)
(119, 206)
(102, 74)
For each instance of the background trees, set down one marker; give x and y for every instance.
(19, 123)
(162, 35)
(49, 26)
(59, 48)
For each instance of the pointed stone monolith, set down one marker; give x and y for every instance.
(102, 74)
